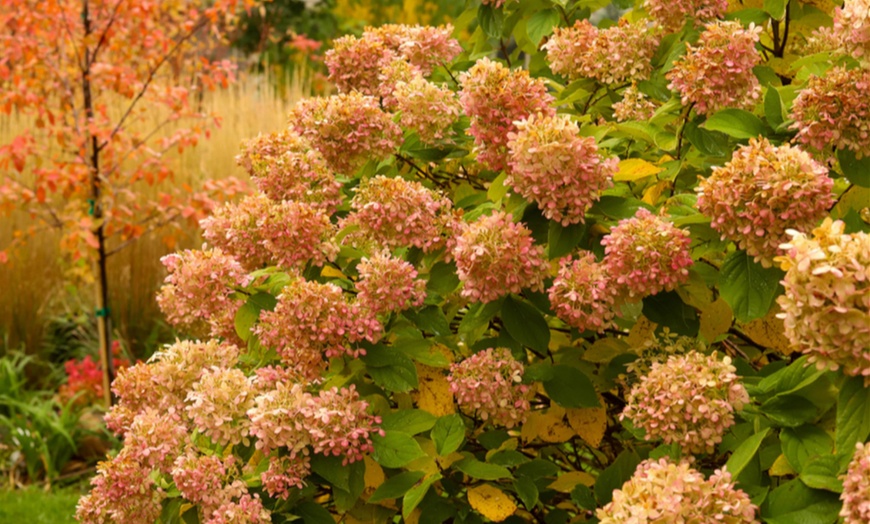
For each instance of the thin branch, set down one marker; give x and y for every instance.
(103, 36)
(682, 130)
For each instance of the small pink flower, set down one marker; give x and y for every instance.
(582, 294)
(388, 284)
(489, 385)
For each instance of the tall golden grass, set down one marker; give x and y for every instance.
(35, 285)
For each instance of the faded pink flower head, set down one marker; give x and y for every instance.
(717, 73)
(339, 423)
(495, 256)
(121, 491)
(689, 400)
(582, 294)
(388, 284)
(671, 15)
(201, 478)
(217, 405)
(284, 474)
(826, 304)
(852, 28)
(762, 191)
(156, 437)
(247, 509)
(856, 488)
(495, 97)
(663, 491)
(555, 167)
(646, 254)
(426, 108)
(834, 111)
(489, 385)
(276, 421)
(634, 105)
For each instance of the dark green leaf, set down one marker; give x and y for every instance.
(410, 421)
(443, 278)
(395, 449)
(541, 24)
(346, 499)
(448, 434)
(431, 320)
(617, 208)
(749, 288)
(821, 473)
(415, 495)
(796, 376)
(313, 513)
(853, 416)
(491, 20)
(537, 468)
(527, 491)
(801, 444)
(563, 239)
(708, 142)
(795, 503)
(331, 469)
(857, 171)
(395, 487)
(745, 452)
(789, 410)
(571, 388)
(773, 107)
(508, 458)
(736, 123)
(391, 369)
(615, 475)
(583, 497)
(525, 324)
(668, 309)
(481, 470)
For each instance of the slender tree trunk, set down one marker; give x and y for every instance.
(102, 299)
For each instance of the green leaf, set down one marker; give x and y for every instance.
(563, 239)
(775, 8)
(527, 491)
(749, 288)
(795, 503)
(822, 473)
(800, 445)
(448, 434)
(395, 487)
(736, 123)
(481, 470)
(410, 421)
(391, 369)
(395, 449)
(248, 314)
(525, 324)
(773, 107)
(541, 24)
(332, 470)
(745, 453)
(789, 410)
(313, 513)
(668, 309)
(431, 320)
(708, 142)
(443, 278)
(853, 416)
(615, 475)
(491, 20)
(796, 376)
(583, 497)
(857, 171)
(537, 468)
(346, 499)
(415, 495)
(571, 388)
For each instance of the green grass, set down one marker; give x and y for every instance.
(33, 505)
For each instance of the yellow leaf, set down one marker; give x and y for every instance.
(426, 463)
(642, 331)
(434, 394)
(567, 481)
(548, 427)
(331, 272)
(716, 319)
(491, 502)
(768, 332)
(414, 517)
(605, 349)
(651, 194)
(588, 423)
(374, 475)
(781, 467)
(634, 169)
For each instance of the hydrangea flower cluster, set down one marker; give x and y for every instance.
(495, 97)
(856, 487)
(284, 166)
(612, 56)
(763, 190)
(201, 478)
(852, 28)
(495, 256)
(348, 129)
(689, 400)
(388, 284)
(489, 385)
(155, 438)
(260, 231)
(646, 254)
(121, 491)
(312, 320)
(395, 212)
(248, 509)
(671, 15)
(833, 111)
(555, 167)
(217, 405)
(663, 491)
(338, 424)
(826, 305)
(717, 73)
(196, 295)
(634, 105)
(426, 108)
(582, 294)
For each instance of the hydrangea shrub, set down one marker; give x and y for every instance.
(564, 273)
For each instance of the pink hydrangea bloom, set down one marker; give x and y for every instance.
(833, 111)
(218, 404)
(392, 75)
(247, 510)
(856, 487)
(339, 423)
(201, 478)
(852, 28)
(671, 15)
(826, 305)
(582, 294)
(634, 105)
(495, 256)
(426, 108)
(555, 167)
(285, 166)
(348, 129)
(284, 474)
(495, 97)
(662, 491)
(646, 254)
(156, 438)
(614, 55)
(388, 284)
(136, 390)
(425, 47)
(762, 191)
(395, 212)
(122, 491)
(259, 231)
(312, 320)
(489, 385)
(276, 420)
(689, 400)
(197, 294)
(717, 73)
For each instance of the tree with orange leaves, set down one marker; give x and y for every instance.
(69, 66)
